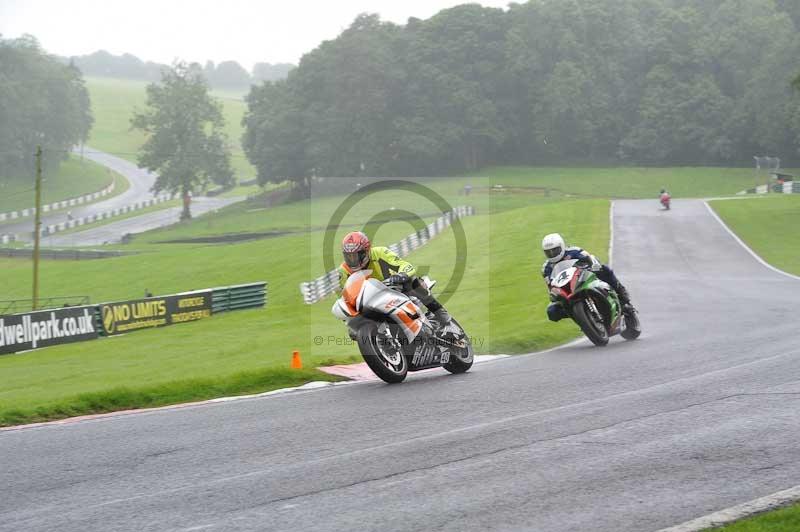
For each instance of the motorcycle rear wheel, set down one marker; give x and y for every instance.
(632, 328)
(584, 317)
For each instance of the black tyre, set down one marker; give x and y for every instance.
(632, 328)
(382, 353)
(461, 360)
(592, 327)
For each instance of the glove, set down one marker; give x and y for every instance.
(590, 263)
(397, 279)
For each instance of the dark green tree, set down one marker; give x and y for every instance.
(275, 136)
(42, 102)
(572, 81)
(185, 143)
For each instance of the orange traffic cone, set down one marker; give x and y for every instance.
(296, 362)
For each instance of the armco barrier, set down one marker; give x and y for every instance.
(238, 297)
(320, 287)
(787, 187)
(63, 226)
(72, 202)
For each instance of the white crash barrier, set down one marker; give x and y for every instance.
(24, 213)
(77, 222)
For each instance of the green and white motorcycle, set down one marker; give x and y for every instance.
(591, 303)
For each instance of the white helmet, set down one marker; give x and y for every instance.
(553, 246)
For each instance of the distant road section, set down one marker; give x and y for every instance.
(141, 182)
(113, 232)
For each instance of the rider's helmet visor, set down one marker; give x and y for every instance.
(355, 259)
(552, 253)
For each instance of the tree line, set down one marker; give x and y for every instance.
(42, 102)
(651, 82)
(223, 75)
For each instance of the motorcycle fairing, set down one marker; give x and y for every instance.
(573, 284)
(364, 294)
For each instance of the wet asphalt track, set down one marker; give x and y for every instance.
(698, 415)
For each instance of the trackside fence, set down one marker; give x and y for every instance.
(238, 297)
(72, 202)
(14, 306)
(106, 215)
(787, 187)
(320, 287)
(76, 320)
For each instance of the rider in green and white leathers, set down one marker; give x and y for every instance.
(556, 250)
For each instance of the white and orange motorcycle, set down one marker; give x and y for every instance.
(394, 335)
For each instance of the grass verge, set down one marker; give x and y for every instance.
(783, 520)
(73, 178)
(769, 225)
(628, 182)
(175, 392)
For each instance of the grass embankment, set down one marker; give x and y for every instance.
(73, 178)
(114, 102)
(769, 225)
(783, 520)
(501, 301)
(628, 182)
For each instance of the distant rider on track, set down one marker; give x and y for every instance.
(556, 250)
(359, 255)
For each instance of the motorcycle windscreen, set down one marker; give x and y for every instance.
(353, 292)
(561, 272)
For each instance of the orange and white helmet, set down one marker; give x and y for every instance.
(355, 249)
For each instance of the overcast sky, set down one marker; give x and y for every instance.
(247, 31)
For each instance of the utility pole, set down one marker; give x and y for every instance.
(37, 224)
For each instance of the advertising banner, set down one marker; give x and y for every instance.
(31, 330)
(127, 316)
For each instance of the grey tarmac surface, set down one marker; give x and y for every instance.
(698, 415)
(141, 181)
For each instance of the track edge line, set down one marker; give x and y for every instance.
(774, 501)
(745, 246)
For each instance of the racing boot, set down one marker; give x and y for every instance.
(625, 299)
(445, 323)
(442, 317)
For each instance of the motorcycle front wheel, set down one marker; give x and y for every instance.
(591, 325)
(382, 353)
